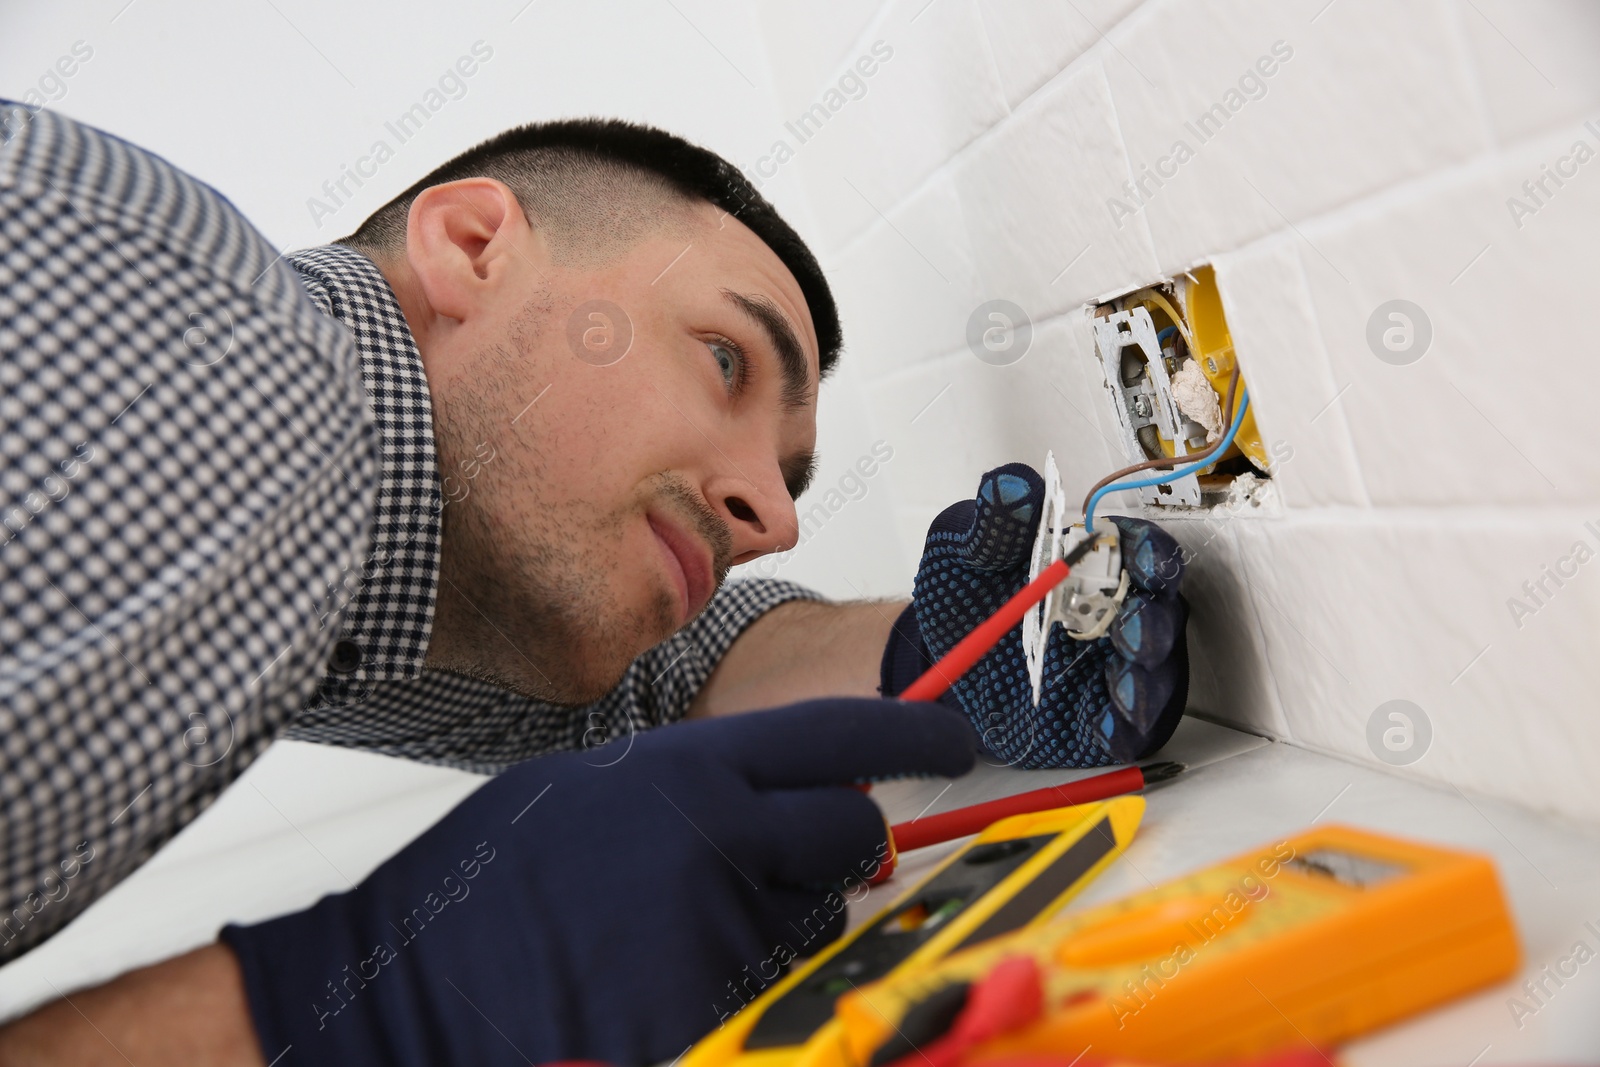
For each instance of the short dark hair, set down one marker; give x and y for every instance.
(625, 150)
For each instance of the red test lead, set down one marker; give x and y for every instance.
(971, 648)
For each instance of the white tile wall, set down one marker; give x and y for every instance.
(937, 91)
(1504, 302)
(1230, 675)
(906, 288)
(811, 44)
(1273, 161)
(1031, 42)
(953, 418)
(1362, 609)
(1298, 403)
(1374, 164)
(1534, 59)
(1033, 192)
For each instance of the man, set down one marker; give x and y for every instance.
(464, 488)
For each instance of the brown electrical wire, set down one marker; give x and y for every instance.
(1170, 461)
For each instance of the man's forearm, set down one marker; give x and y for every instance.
(800, 650)
(187, 1010)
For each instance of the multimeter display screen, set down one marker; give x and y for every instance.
(891, 938)
(1346, 868)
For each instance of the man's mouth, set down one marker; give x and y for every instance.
(688, 564)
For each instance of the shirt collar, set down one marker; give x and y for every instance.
(388, 606)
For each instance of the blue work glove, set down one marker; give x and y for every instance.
(1115, 699)
(568, 910)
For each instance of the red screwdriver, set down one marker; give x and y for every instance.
(936, 829)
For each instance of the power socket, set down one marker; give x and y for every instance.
(1167, 358)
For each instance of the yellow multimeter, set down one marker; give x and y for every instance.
(1315, 939)
(1013, 875)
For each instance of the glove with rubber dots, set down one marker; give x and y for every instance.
(1115, 699)
(568, 910)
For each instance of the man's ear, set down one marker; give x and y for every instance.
(461, 240)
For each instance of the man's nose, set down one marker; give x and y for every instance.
(759, 512)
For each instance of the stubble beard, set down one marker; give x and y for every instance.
(523, 601)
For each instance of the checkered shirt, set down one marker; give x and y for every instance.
(219, 523)
(185, 459)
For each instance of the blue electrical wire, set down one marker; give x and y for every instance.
(1175, 474)
(1166, 333)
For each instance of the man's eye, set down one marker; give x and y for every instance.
(729, 360)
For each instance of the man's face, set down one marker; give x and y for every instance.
(612, 439)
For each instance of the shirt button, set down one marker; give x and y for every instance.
(346, 657)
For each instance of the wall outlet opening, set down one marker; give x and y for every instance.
(1167, 358)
